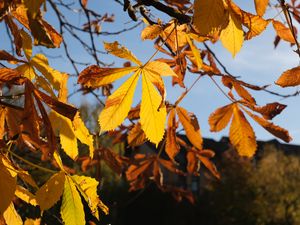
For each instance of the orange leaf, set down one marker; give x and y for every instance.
(191, 127)
(261, 6)
(283, 32)
(219, 119)
(241, 134)
(172, 148)
(289, 78)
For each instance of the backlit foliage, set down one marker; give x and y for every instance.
(50, 127)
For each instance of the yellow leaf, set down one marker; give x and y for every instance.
(95, 76)
(32, 221)
(41, 82)
(26, 44)
(160, 68)
(25, 195)
(11, 216)
(83, 134)
(71, 210)
(118, 104)
(27, 70)
(283, 32)
(255, 24)
(158, 82)
(209, 16)
(120, 51)
(151, 32)
(289, 78)
(153, 116)
(51, 191)
(64, 127)
(190, 124)
(195, 51)
(40, 62)
(261, 6)
(89, 186)
(8, 185)
(232, 37)
(241, 134)
(220, 118)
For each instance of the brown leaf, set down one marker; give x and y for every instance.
(272, 128)
(15, 33)
(60, 107)
(95, 76)
(289, 78)
(192, 163)
(9, 75)
(136, 136)
(113, 160)
(268, 111)
(172, 148)
(8, 57)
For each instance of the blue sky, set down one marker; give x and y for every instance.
(258, 63)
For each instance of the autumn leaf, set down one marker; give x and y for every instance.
(8, 186)
(121, 52)
(88, 188)
(255, 24)
(153, 116)
(272, 128)
(241, 134)
(136, 136)
(283, 32)
(195, 51)
(26, 195)
(151, 32)
(11, 216)
(209, 16)
(191, 127)
(172, 148)
(71, 210)
(118, 104)
(232, 37)
(95, 76)
(289, 78)
(220, 118)
(261, 6)
(51, 191)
